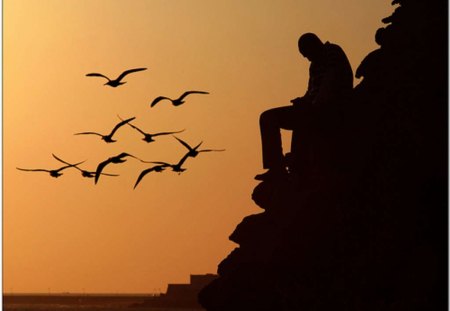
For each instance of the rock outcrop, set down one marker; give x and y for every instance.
(361, 224)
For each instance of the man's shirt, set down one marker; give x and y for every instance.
(331, 75)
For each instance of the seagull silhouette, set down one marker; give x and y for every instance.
(115, 160)
(108, 138)
(54, 173)
(84, 173)
(117, 81)
(176, 167)
(178, 101)
(193, 152)
(157, 168)
(147, 136)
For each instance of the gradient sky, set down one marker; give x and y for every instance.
(69, 235)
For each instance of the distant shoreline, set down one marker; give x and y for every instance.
(85, 299)
(177, 295)
(83, 294)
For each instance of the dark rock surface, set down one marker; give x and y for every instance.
(361, 224)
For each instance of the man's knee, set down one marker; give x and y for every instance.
(276, 116)
(266, 117)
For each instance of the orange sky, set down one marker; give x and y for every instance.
(69, 235)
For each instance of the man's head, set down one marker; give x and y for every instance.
(310, 46)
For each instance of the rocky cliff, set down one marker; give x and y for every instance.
(362, 223)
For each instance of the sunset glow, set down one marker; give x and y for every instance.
(67, 234)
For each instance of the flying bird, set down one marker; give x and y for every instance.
(176, 167)
(147, 136)
(117, 81)
(157, 168)
(54, 173)
(178, 101)
(193, 152)
(84, 173)
(108, 138)
(115, 160)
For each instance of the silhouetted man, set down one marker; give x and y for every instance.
(330, 79)
(372, 61)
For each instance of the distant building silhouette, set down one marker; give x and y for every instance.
(181, 295)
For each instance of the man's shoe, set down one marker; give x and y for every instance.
(272, 174)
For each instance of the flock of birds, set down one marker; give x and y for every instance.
(158, 166)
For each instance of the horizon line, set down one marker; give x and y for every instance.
(80, 293)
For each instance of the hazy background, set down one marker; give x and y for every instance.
(69, 235)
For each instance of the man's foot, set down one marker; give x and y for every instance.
(272, 174)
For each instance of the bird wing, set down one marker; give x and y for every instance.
(137, 129)
(107, 174)
(94, 173)
(133, 126)
(33, 170)
(69, 165)
(184, 143)
(191, 92)
(62, 161)
(196, 147)
(159, 98)
(142, 174)
(123, 74)
(124, 154)
(160, 163)
(100, 168)
(180, 163)
(87, 133)
(97, 75)
(167, 133)
(120, 124)
(208, 150)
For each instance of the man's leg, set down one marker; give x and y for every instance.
(271, 121)
(302, 131)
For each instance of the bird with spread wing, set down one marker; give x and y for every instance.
(54, 173)
(192, 151)
(157, 168)
(175, 167)
(178, 101)
(118, 81)
(108, 138)
(120, 158)
(84, 173)
(148, 137)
